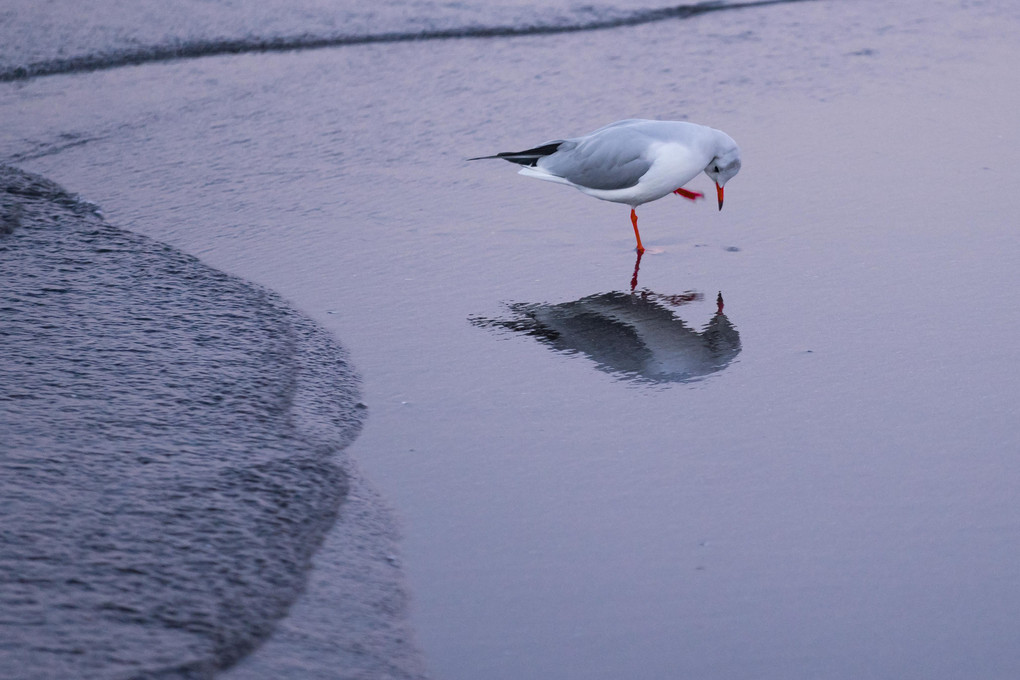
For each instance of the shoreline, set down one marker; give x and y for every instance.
(186, 571)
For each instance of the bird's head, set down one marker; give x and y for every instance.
(724, 166)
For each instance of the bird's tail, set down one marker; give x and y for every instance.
(528, 157)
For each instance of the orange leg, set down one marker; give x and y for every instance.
(637, 234)
(693, 195)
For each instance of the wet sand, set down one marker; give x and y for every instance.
(172, 457)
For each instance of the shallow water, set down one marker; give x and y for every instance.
(54, 37)
(168, 463)
(835, 501)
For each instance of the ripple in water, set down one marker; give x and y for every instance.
(168, 451)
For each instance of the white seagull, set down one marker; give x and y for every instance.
(634, 161)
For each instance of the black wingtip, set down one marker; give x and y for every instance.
(526, 157)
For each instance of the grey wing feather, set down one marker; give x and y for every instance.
(610, 161)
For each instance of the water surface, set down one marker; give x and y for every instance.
(835, 501)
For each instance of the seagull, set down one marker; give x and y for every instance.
(633, 162)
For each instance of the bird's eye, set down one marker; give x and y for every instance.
(715, 169)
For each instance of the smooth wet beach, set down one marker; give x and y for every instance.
(825, 485)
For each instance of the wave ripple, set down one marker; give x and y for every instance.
(589, 20)
(167, 464)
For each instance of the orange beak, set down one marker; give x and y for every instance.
(718, 191)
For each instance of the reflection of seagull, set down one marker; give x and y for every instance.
(630, 334)
(634, 161)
